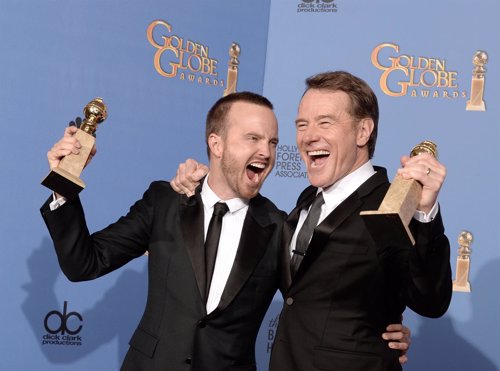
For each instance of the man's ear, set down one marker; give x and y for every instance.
(365, 129)
(216, 145)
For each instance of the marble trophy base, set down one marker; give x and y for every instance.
(65, 178)
(63, 182)
(389, 225)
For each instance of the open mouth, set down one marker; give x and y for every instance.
(318, 157)
(254, 170)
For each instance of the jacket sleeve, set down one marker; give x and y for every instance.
(430, 287)
(84, 256)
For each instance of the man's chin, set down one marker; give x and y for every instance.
(315, 181)
(250, 191)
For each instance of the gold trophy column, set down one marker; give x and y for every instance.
(232, 69)
(476, 103)
(65, 178)
(461, 283)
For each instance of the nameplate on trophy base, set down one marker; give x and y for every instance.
(63, 183)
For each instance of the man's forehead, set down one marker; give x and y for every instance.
(325, 94)
(251, 114)
(243, 104)
(323, 102)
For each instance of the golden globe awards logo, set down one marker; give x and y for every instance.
(416, 76)
(177, 57)
(317, 6)
(62, 327)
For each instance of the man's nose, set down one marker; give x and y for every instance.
(310, 134)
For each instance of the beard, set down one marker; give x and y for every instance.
(234, 173)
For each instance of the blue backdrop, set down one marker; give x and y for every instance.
(58, 55)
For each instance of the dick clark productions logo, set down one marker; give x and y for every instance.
(62, 327)
(317, 6)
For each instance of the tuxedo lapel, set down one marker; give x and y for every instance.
(257, 230)
(192, 226)
(348, 207)
(324, 229)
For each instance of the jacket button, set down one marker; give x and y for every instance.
(289, 301)
(188, 360)
(201, 324)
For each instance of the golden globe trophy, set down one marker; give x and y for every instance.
(461, 283)
(232, 69)
(476, 103)
(65, 178)
(389, 225)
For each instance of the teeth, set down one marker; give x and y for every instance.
(258, 165)
(318, 153)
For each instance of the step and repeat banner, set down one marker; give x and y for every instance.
(420, 58)
(159, 66)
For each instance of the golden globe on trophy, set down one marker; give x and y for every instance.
(398, 206)
(476, 102)
(461, 282)
(232, 69)
(65, 178)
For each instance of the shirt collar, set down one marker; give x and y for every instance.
(343, 188)
(210, 198)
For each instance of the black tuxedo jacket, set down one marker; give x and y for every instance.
(175, 332)
(347, 290)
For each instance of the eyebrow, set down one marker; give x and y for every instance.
(318, 118)
(260, 136)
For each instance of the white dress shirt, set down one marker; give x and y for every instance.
(232, 225)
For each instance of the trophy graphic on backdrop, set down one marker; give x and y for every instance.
(232, 69)
(65, 178)
(476, 103)
(389, 225)
(461, 283)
